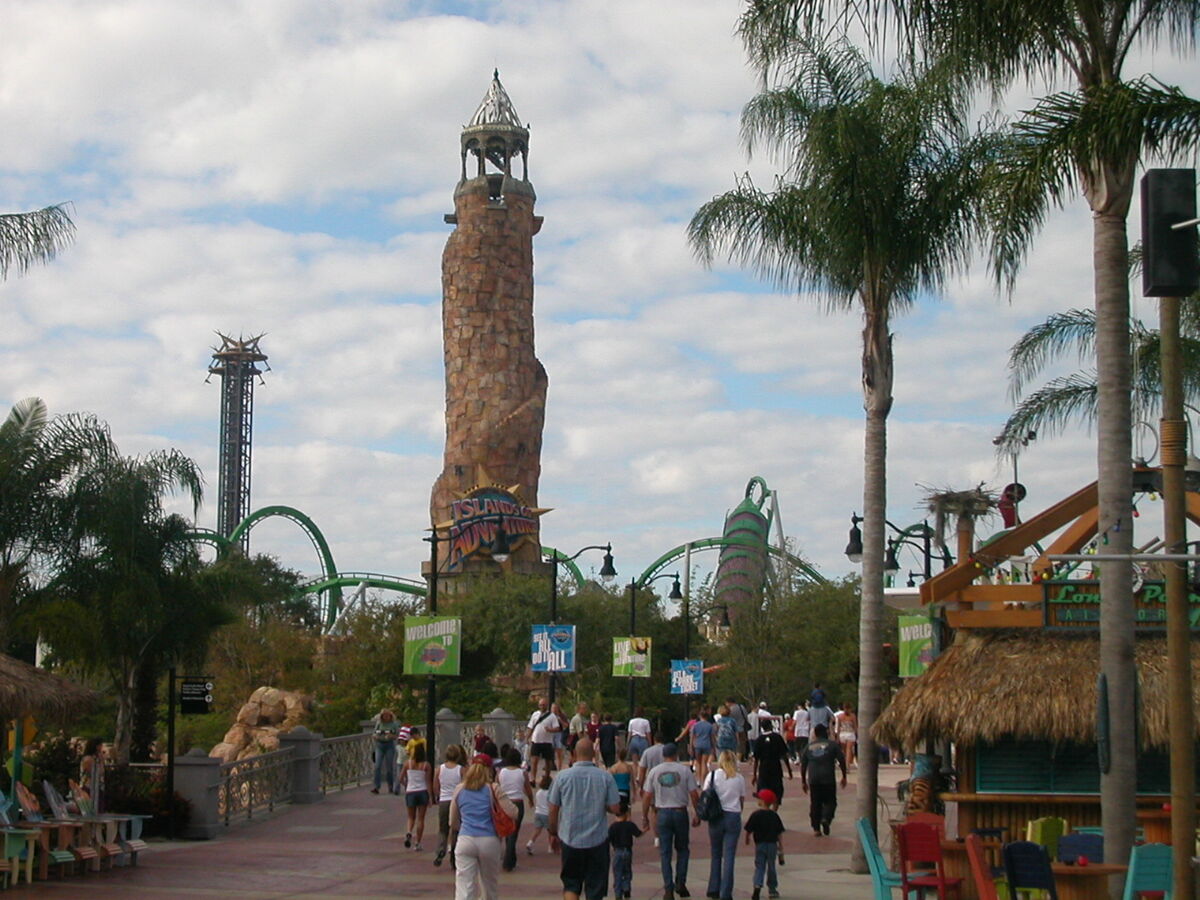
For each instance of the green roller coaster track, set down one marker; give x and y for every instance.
(330, 582)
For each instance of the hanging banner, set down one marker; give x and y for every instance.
(916, 645)
(687, 676)
(631, 657)
(553, 648)
(432, 645)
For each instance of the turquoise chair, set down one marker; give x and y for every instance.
(882, 878)
(1149, 870)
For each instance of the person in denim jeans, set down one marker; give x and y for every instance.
(621, 835)
(723, 832)
(669, 787)
(766, 827)
(387, 729)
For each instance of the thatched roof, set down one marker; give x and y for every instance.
(1030, 684)
(26, 689)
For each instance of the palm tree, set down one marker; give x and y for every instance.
(129, 598)
(39, 456)
(879, 202)
(31, 237)
(1090, 140)
(1070, 397)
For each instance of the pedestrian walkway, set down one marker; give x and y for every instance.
(351, 844)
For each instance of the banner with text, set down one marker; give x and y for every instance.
(553, 648)
(432, 645)
(916, 645)
(631, 657)
(687, 676)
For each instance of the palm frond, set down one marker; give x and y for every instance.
(33, 237)
(1050, 409)
(1048, 341)
(25, 421)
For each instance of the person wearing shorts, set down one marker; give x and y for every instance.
(416, 780)
(542, 726)
(639, 735)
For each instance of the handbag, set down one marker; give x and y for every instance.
(709, 808)
(502, 821)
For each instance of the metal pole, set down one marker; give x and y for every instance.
(927, 542)
(431, 688)
(552, 690)
(632, 631)
(170, 754)
(1173, 457)
(687, 621)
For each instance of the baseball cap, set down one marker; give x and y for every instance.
(483, 759)
(767, 796)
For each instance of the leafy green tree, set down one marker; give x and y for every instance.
(39, 456)
(33, 237)
(880, 200)
(128, 597)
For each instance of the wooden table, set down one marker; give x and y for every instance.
(1084, 882)
(1156, 825)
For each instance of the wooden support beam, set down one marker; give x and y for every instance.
(1072, 540)
(994, 618)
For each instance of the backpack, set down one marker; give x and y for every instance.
(726, 735)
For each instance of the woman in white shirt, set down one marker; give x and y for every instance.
(416, 779)
(514, 784)
(723, 833)
(447, 777)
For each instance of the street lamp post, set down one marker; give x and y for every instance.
(500, 555)
(891, 565)
(607, 574)
(634, 584)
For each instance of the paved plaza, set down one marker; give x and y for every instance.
(352, 845)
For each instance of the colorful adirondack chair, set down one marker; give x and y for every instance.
(71, 836)
(1046, 831)
(1027, 867)
(921, 846)
(104, 829)
(883, 880)
(1150, 871)
(46, 837)
(129, 832)
(989, 884)
(18, 846)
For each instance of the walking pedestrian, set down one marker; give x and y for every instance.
(416, 779)
(669, 788)
(387, 730)
(477, 851)
(727, 733)
(765, 826)
(542, 726)
(639, 734)
(514, 784)
(702, 742)
(803, 727)
(770, 756)
(608, 741)
(847, 732)
(447, 777)
(723, 833)
(561, 751)
(621, 835)
(818, 778)
(580, 797)
(738, 713)
(541, 813)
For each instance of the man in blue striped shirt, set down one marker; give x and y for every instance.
(580, 797)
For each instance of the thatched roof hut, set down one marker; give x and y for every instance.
(1028, 684)
(26, 689)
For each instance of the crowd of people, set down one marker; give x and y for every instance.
(573, 774)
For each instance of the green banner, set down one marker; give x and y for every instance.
(916, 645)
(631, 657)
(432, 645)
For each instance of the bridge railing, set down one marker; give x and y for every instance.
(255, 784)
(346, 760)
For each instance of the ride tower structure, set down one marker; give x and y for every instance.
(486, 495)
(237, 363)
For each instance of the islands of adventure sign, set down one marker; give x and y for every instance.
(478, 517)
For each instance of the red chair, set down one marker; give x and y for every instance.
(938, 822)
(921, 847)
(981, 869)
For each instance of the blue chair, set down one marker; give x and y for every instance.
(882, 879)
(1027, 868)
(1149, 870)
(1081, 843)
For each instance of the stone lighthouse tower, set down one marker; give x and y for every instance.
(485, 500)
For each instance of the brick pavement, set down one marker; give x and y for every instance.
(351, 845)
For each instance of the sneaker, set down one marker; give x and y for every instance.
(656, 842)
(756, 894)
(713, 895)
(825, 825)
(681, 890)
(816, 832)
(529, 847)
(668, 894)
(773, 893)
(437, 860)
(417, 846)
(374, 790)
(408, 839)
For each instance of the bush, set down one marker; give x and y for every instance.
(142, 791)
(55, 759)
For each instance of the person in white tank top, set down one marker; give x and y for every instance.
(513, 782)
(416, 779)
(447, 777)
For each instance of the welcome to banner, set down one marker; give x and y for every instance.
(432, 645)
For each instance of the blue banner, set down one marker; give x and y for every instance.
(553, 648)
(687, 676)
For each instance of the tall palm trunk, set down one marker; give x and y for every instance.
(877, 402)
(123, 730)
(1118, 787)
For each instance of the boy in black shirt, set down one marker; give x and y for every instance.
(766, 826)
(620, 836)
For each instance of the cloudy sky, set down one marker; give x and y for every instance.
(282, 166)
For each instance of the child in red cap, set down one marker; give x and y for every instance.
(766, 827)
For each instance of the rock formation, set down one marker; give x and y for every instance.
(268, 713)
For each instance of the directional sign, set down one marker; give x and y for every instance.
(195, 695)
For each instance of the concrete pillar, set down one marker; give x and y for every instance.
(449, 731)
(197, 777)
(306, 763)
(503, 725)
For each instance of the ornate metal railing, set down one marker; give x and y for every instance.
(346, 760)
(251, 785)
